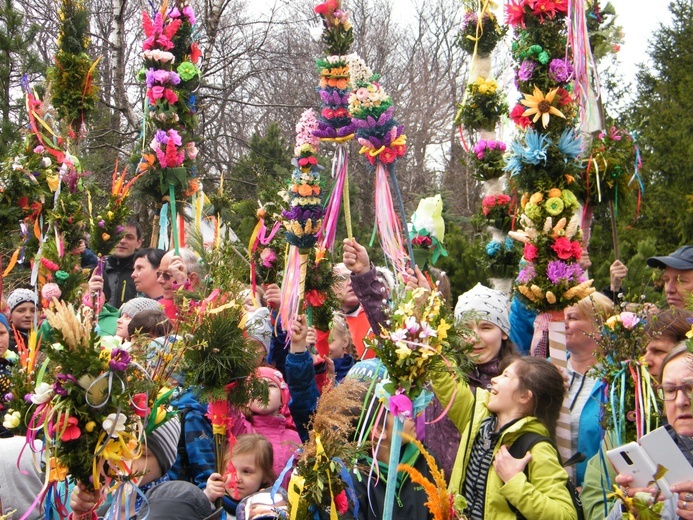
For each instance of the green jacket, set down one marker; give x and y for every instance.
(544, 496)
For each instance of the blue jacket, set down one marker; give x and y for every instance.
(300, 376)
(590, 431)
(342, 366)
(195, 461)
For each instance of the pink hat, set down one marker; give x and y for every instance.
(275, 375)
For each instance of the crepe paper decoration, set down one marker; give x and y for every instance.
(427, 230)
(382, 142)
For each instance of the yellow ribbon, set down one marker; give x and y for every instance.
(296, 485)
(337, 139)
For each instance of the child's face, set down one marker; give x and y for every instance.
(490, 338)
(338, 345)
(247, 479)
(4, 339)
(22, 316)
(505, 391)
(274, 401)
(122, 329)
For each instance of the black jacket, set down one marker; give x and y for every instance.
(118, 286)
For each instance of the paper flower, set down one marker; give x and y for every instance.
(42, 394)
(114, 424)
(540, 106)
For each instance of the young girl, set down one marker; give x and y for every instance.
(526, 397)
(249, 469)
(342, 349)
(485, 311)
(22, 304)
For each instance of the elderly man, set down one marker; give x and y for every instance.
(175, 272)
(678, 274)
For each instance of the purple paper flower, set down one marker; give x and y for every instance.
(480, 146)
(120, 359)
(526, 70)
(558, 271)
(8, 396)
(560, 70)
(161, 136)
(59, 385)
(527, 274)
(188, 11)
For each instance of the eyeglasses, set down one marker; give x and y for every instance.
(669, 392)
(163, 275)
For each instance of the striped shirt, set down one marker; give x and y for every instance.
(480, 460)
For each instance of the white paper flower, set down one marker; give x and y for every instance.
(45, 162)
(114, 424)
(12, 419)
(42, 394)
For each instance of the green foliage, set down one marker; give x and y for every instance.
(72, 77)
(491, 33)
(465, 254)
(661, 115)
(16, 59)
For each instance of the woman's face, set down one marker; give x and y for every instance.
(22, 317)
(655, 352)
(247, 479)
(489, 343)
(144, 276)
(677, 381)
(578, 328)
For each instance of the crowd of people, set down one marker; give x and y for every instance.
(511, 393)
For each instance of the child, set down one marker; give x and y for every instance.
(342, 349)
(249, 469)
(22, 304)
(129, 310)
(526, 397)
(273, 420)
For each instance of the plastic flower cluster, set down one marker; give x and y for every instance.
(482, 36)
(539, 159)
(609, 169)
(418, 340)
(502, 257)
(304, 217)
(335, 119)
(21, 381)
(551, 279)
(107, 226)
(90, 404)
(622, 341)
(171, 76)
(378, 133)
(483, 106)
(486, 159)
(337, 34)
(495, 207)
(427, 231)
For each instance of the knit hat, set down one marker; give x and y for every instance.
(3, 321)
(259, 327)
(163, 443)
(178, 500)
(19, 296)
(276, 376)
(132, 307)
(367, 370)
(485, 304)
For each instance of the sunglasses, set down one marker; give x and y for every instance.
(164, 275)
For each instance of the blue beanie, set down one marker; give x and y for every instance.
(3, 321)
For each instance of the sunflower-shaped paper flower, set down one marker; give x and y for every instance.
(541, 106)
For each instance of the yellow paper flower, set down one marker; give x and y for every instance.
(53, 181)
(443, 328)
(403, 352)
(540, 106)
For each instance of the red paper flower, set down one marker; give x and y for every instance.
(530, 252)
(577, 250)
(341, 502)
(195, 53)
(515, 13)
(326, 9)
(563, 248)
(71, 430)
(388, 155)
(518, 118)
(315, 298)
(139, 404)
